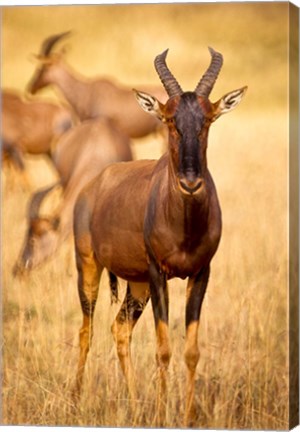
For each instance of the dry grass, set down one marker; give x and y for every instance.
(242, 378)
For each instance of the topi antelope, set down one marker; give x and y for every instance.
(91, 98)
(150, 221)
(79, 156)
(30, 127)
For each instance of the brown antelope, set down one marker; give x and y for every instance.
(79, 156)
(91, 98)
(30, 127)
(150, 221)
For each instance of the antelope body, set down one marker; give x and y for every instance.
(79, 156)
(149, 221)
(30, 127)
(91, 98)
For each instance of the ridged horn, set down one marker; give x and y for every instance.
(168, 80)
(49, 43)
(36, 201)
(208, 80)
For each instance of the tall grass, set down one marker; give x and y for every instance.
(242, 376)
(242, 379)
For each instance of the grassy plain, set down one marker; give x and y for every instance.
(242, 377)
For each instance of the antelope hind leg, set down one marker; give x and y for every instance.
(136, 298)
(89, 273)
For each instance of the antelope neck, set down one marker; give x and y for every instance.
(74, 89)
(187, 210)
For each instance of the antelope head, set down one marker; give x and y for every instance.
(41, 236)
(49, 62)
(188, 116)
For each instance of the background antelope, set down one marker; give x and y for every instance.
(150, 221)
(91, 98)
(30, 127)
(79, 156)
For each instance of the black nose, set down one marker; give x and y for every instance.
(191, 186)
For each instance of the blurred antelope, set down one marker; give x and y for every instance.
(91, 98)
(79, 156)
(150, 221)
(30, 127)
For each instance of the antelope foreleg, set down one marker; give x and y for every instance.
(163, 356)
(160, 305)
(195, 295)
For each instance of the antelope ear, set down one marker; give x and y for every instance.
(42, 60)
(228, 102)
(65, 50)
(149, 104)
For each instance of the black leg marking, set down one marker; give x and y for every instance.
(159, 294)
(131, 308)
(113, 282)
(196, 296)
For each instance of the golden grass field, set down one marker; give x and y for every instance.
(242, 376)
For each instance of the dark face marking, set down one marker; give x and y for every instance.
(188, 118)
(189, 122)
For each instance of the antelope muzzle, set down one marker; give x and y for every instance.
(190, 184)
(22, 267)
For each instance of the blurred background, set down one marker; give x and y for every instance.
(242, 378)
(122, 41)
